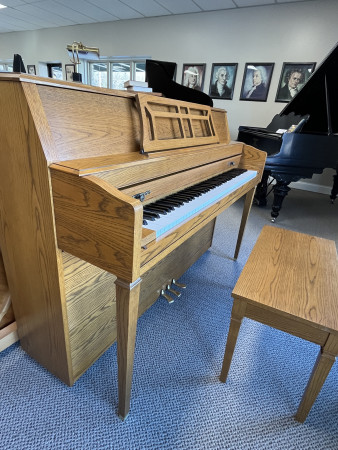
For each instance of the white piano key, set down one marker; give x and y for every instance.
(188, 210)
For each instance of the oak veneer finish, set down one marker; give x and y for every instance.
(290, 282)
(80, 265)
(8, 333)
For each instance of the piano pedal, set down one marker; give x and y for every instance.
(180, 285)
(173, 291)
(167, 297)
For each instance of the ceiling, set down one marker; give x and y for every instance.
(23, 15)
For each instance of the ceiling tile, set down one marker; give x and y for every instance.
(244, 3)
(117, 9)
(147, 8)
(49, 17)
(179, 6)
(36, 14)
(29, 18)
(86, 9)
(213, 5)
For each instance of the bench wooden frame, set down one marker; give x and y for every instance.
(290, 282)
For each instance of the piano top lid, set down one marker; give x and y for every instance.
(319, 97)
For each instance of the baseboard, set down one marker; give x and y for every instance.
(319, 188)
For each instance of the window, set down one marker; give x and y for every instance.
(113, 73)
(98, 74)
(55, 70)
(6, 66)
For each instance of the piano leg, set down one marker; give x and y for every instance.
(246, 210)
(280, 191)
(127, 304)
(334, 191)
(262, 188)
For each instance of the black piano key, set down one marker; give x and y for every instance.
(160, 207)
(163, 206)
(149, 216)
(171, 202)
(154, 209)
(168, 207)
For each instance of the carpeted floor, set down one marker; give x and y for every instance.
(178, 401)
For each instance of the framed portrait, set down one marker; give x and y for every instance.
(193, 76)
(222, 80)
(292, 79)
(69, 69)
(31, 70)
(256, 81)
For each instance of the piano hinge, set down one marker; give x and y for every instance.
(141, 195)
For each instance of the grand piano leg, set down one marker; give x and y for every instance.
(334, 191)
(280, 191)
(127, 304)
(262, 188)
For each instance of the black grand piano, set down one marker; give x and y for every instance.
(310, 146)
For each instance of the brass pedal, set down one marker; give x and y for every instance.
(173, 291)
(180, 285)
(167, 297)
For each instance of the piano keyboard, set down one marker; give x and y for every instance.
(165, 214)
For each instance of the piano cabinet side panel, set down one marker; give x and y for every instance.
(221, 124)
(90, 294)
(27, 237)
(252, 159)
(91, 310)
(98, 223)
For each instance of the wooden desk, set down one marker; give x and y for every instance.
(290, 282)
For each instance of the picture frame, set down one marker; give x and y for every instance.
(256, 81)
(193, 76)
(292, 78)
(31, 69)
(69, 70)
(222, 80)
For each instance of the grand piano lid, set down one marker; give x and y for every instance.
(319, 98)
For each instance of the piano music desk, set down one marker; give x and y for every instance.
(290, 282)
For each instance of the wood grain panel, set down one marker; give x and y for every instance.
(170, 184)
(221, 124)
(91, 307)
(91, 297)
(6, 309)
(295, 274)
(27, 237)
(97, 223)
(161, 164)
(168, 124)
(112, 126)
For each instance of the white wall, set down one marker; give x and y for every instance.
(290, 32)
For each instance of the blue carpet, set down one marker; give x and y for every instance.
(178, 401)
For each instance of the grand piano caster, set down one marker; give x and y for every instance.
(312, 145)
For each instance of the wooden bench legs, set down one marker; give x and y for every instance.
(322, 367)
(237, 315)
(325, 360)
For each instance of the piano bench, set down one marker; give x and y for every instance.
(290, 282)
